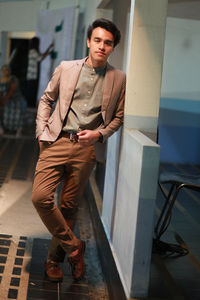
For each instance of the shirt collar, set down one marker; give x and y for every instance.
(99, 70)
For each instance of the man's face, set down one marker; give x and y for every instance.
(101, 44)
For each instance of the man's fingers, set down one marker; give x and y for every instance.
(81, 133)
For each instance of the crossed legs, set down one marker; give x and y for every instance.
(68, 162)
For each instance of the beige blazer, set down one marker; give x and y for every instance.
(61, 88)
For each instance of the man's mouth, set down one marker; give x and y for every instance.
(100, 53)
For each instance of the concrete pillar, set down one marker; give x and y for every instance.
(145, 60)
(129, 196)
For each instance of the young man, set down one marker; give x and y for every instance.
(90, 105)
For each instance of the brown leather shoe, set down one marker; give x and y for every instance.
(76, 260)
(53, 271)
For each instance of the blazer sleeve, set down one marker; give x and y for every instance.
(118, 114)
(46, 102)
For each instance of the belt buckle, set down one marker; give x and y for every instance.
(73, 137)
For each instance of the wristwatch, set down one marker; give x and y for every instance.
(100, 138)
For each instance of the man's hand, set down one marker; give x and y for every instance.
(42, 143)
(88, 137)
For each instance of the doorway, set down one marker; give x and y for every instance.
(18, 59)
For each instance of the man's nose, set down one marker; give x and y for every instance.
(102, 46)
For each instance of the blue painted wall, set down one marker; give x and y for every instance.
(179, 131)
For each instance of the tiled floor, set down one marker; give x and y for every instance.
(40, 288)
(24, 239)
(14, 257)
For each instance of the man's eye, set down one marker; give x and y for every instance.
(109, 43)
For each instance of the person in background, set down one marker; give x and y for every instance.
(89, 95)
(12, 103)
(32, 76)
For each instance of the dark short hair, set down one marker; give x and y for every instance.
(108, 25)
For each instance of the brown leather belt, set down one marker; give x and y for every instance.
(70, 135)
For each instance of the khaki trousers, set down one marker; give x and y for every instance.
(66, 161)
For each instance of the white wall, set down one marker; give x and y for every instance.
(121, 17)
(55, 4)
(181, 60)
(179, 115)
(22, 16)
(19, 16)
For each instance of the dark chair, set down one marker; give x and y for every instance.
(177, 181)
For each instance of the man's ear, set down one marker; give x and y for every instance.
(88, 43)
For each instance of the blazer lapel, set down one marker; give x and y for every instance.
(108, 87)
(71, 76)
